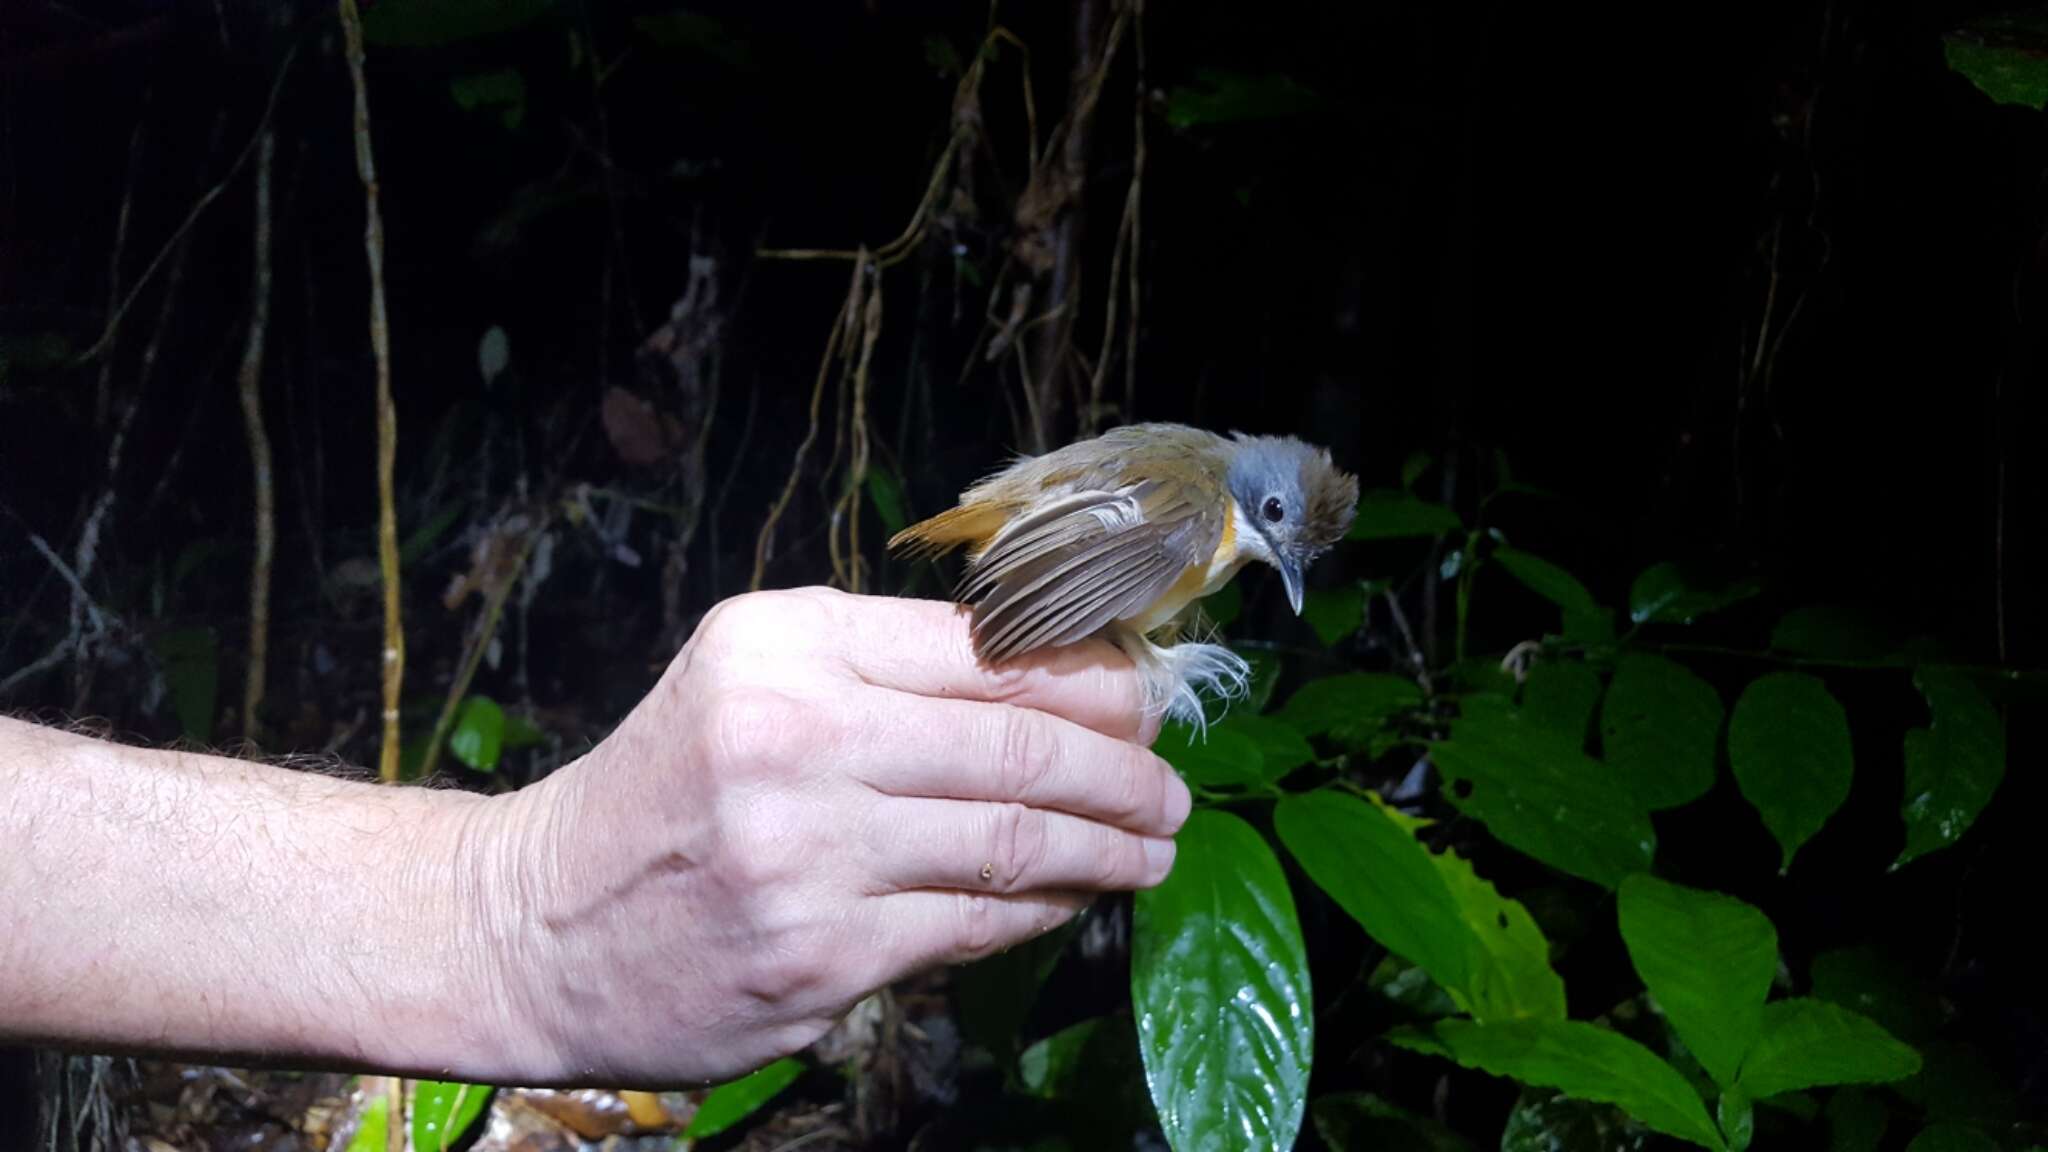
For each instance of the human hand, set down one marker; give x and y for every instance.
(823, 794)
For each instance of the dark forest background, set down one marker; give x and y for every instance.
(1750, 286)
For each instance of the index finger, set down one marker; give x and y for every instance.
(924, 647)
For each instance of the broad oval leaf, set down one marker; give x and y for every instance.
(1349, 708)
(1548, 581)
(1788, 745)
(443, 1113)
(1664, 594)
(1281, 748)
(735, 1100)
(1335, 613)
(1224, 758)
(2005, 55)
(1580, 1060)
(1808, 1043)
(1559, 698)
(1952, 766)
(479, 736)
(1708, 959)
(1220, 987)
(1951, 1137)
(1660, 725)
(1384, 515)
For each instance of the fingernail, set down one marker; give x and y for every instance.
(1158, 859)
(1178, 802)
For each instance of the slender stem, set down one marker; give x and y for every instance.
(250, 379)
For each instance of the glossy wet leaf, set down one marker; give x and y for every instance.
(1548, 581)
(1856, 1120)
(191, 664)
(885, 495)
(1363, 1122)
(1952, 1137)
(1384, 515)
(479, 735)
(734, 1101)
(1334, 613)
(1281, 748)
(1660, 726)
(1877, 985)
(1580, 1060)
(1668, 594)
(1220, 988)
(1708, 960)
(443, 1113)
(1805, 1043)
(1953, 766)
(1788, 745)
(2005, 55)
(1349, 708)
(1224, 758)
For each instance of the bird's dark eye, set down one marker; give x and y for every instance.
(1273, 510)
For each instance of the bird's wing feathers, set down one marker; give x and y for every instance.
(1060, 571)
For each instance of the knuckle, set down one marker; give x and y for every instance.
(978, 934)
(1022, 753)
(758, 726)
(1119, 864)
(1022, 840)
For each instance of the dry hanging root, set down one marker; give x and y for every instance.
(249, 380)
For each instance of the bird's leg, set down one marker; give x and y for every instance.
(1176, 675)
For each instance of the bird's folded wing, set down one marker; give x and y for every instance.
(1058, 573)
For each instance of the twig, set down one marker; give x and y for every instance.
(102, 392)
(502, 583)
(191, 217)
(387, 412)
(857, 470)
(765, 542)
(250, 378)
(1138, 105)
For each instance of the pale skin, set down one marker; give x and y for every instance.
(822, 794)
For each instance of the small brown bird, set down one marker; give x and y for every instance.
(1119, 535)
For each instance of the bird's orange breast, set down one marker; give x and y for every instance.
(1197, 580)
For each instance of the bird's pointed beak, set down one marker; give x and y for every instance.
(1290, 575)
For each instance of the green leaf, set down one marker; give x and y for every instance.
(1222, 97)
(1736, 1114)
(479, 736)
(1281, 748)
(1484, 950)
(373, 1129)
(429, 23)
(1544, 1121)
(1558, 700)
(995, 995)
(1384, 515)
(1952, 766)
(1708, 959)
(1363, 1121)
(1227, 758)
(1548, 581)
(191, 660)
(422, 538)
(1541, 797)
(1660, 726)
(1413, 467)
(1225, 605)
(1831, 631)
(2005, 56)
(521, 732)
(443, 1113)
(1349, 708)
(1047, 1068)
(734, 1101)
(1951, 1138)
(885, 492)
(1220, 987)
(1335, 613)
(1856, 1121)
(1808, 1043)
(1664, 594)
(1582, 1061)
(684, 30)
(1788, 744)
(1875, 984)
(1265, 676)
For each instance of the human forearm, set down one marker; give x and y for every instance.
(182, 902)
